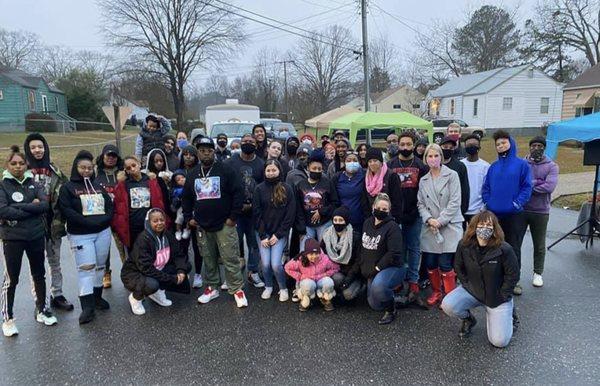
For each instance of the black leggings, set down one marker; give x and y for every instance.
(13, 256)
(144, 285)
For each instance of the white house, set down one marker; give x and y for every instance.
(505, 98)
(392, 100)
(138, 108)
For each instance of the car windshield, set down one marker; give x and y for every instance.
(231, 129)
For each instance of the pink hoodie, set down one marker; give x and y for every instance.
(321, 268)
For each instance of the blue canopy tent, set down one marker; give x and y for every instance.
(583, 129)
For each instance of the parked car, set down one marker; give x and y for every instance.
(441, 124)
(278, 126)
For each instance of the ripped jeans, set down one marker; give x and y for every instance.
(90, 253)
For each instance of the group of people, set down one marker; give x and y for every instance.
(321, 223)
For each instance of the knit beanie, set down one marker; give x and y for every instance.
(343, 212)
(538, 139)
(312, 246)
(317, 155)
(374, 153)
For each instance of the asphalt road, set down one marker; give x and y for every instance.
(558, 341)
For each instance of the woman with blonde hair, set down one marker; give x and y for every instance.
(488, 271)
(439, 206)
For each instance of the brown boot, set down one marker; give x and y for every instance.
(327, 305)
(106, 280)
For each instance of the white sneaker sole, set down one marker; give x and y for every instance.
(10, 333)
(46, 322)
(136, 312)
(208, 299)
(168, 303)
(241, 304)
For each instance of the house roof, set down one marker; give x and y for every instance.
(26, 80)
(478, 83)
(589, 78)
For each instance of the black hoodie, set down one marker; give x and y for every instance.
(289, 159)
(84, 203)
(107, 179)
(381, 247)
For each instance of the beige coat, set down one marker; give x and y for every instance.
(440, 199)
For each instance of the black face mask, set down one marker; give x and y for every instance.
(380, 214)
(392, 150)
(315, 176)
(222, 142)
(420, 156)
(339, 227)
(273, 180)
(291, 149)
(406, 152)
(303, 163)
(248, 148)
(448, 153)
(537, 155)
(503, 154)
(472, 150)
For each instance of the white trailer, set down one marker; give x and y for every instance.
(230, 111)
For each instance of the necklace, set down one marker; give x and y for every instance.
(205, 176)
(412, 161)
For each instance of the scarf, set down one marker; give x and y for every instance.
(343, 244)
(374, 182)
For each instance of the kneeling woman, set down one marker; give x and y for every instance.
(380, 259)
(88, 210)
(488, 271)
(155, 265)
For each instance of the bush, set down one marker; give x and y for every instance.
(41, 123)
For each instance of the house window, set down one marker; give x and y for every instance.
(44, 103)
(1, 95)
(397, 107)
(451, 106)
(507, 103)
(31, 98)
(545, 106)
(56, 104)
(475, 107)
(596, 104)
(416, 106)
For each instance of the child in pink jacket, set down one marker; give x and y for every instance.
(312, 272)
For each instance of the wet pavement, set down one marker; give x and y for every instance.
(558, 341)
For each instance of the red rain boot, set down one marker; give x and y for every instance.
(436, 286)
(449, 280)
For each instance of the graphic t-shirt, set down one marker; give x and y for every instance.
(208, 188)
(42, 177)
(139, 202)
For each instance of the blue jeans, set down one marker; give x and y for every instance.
(315, 233)
(411, 235)
(90, 252)
(324, 288)
(443, 261)
(245, 227)
(499, 320)
(272, 262)
(380, 289)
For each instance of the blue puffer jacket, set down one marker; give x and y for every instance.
(507, 186)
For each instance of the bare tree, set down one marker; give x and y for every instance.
(383, 63)
(54, 62)
(268, 79)
(326, 68)
(172, 37)
(17, 48)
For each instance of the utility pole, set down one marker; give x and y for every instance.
(287, 108)
(365, 55)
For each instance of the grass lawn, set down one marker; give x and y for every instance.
(570, 160)
(572, 201)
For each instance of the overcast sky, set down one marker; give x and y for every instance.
(76, 23)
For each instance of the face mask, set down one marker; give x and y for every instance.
(181, 143)
(380, 214)
(284, 134)
(472, 150)
(272, 180)
(352, 167)
(307, 142)
(222, 142)
(433, 163)
(503, 153)
(315, 176)
(484, 233)
(303, 163)
(248, 148)
(537, 155)
(292, 149)
(392, 150)
(339, 227)
(454, 137)
(406, 152)
(447, 153)
(236, 151)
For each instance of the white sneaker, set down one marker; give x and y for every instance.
(186, 233)
(197, 281)
(9, 328)
(224, 286)
(46, 317)
(240, 299)
(305, 301)
(178, 235)
(295, 297)
(267, 293)
(160, 298)
(284, 295)
(537, 280)
(208, 295)
(137, 307)
(255, 280)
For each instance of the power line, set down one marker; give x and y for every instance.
(312, 35)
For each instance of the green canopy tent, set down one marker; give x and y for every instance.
(354, 122)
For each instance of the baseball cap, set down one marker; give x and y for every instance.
(205, 142)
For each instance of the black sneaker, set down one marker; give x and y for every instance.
(388, 317)
(61, 303)
(467, 324)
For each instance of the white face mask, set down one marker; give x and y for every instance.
(307, 142)
(236, 151)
